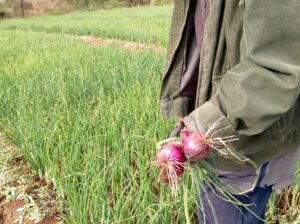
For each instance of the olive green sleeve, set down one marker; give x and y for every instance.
(265, 84)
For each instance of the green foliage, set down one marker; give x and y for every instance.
(143, 24)
(93, 4)
(161, 2)
(89, 118)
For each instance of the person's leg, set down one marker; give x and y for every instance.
(227, 213)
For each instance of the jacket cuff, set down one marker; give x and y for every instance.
(205, 117)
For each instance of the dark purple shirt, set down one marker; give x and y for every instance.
(193, 44)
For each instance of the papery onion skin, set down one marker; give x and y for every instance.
(171, 153)
(194, 146)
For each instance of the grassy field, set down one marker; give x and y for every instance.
(88, 118)
(143, 24)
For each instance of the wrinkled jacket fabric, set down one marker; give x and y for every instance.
(249, 78)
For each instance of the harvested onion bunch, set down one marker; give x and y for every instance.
(185, 156)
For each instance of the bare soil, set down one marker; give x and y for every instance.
(27, 189)
(10, 214)
(285, 202)
(129, 45)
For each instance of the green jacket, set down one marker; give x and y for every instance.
(249, 77)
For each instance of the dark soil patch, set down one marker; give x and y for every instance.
(285, 202)
(34, 198)
(9, 214)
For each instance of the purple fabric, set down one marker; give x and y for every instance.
(227, 213)
(200, 18)
(279, 174)
(191, 58)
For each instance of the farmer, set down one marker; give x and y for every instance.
(238, 62)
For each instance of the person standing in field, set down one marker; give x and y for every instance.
(238, 62)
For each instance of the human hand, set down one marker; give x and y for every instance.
(177, 130)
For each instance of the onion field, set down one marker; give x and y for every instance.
(87, 118)
(142, 24)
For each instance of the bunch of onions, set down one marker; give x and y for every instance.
(188, 152)
(172, 156)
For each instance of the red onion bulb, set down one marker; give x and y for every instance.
(171, 155)
(194, 146)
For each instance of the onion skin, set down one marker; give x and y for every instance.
(194, 146)
(171, 155)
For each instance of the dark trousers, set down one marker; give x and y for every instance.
(227, 213)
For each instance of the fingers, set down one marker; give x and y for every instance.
(176, 131)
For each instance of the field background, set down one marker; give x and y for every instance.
(87, 117)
